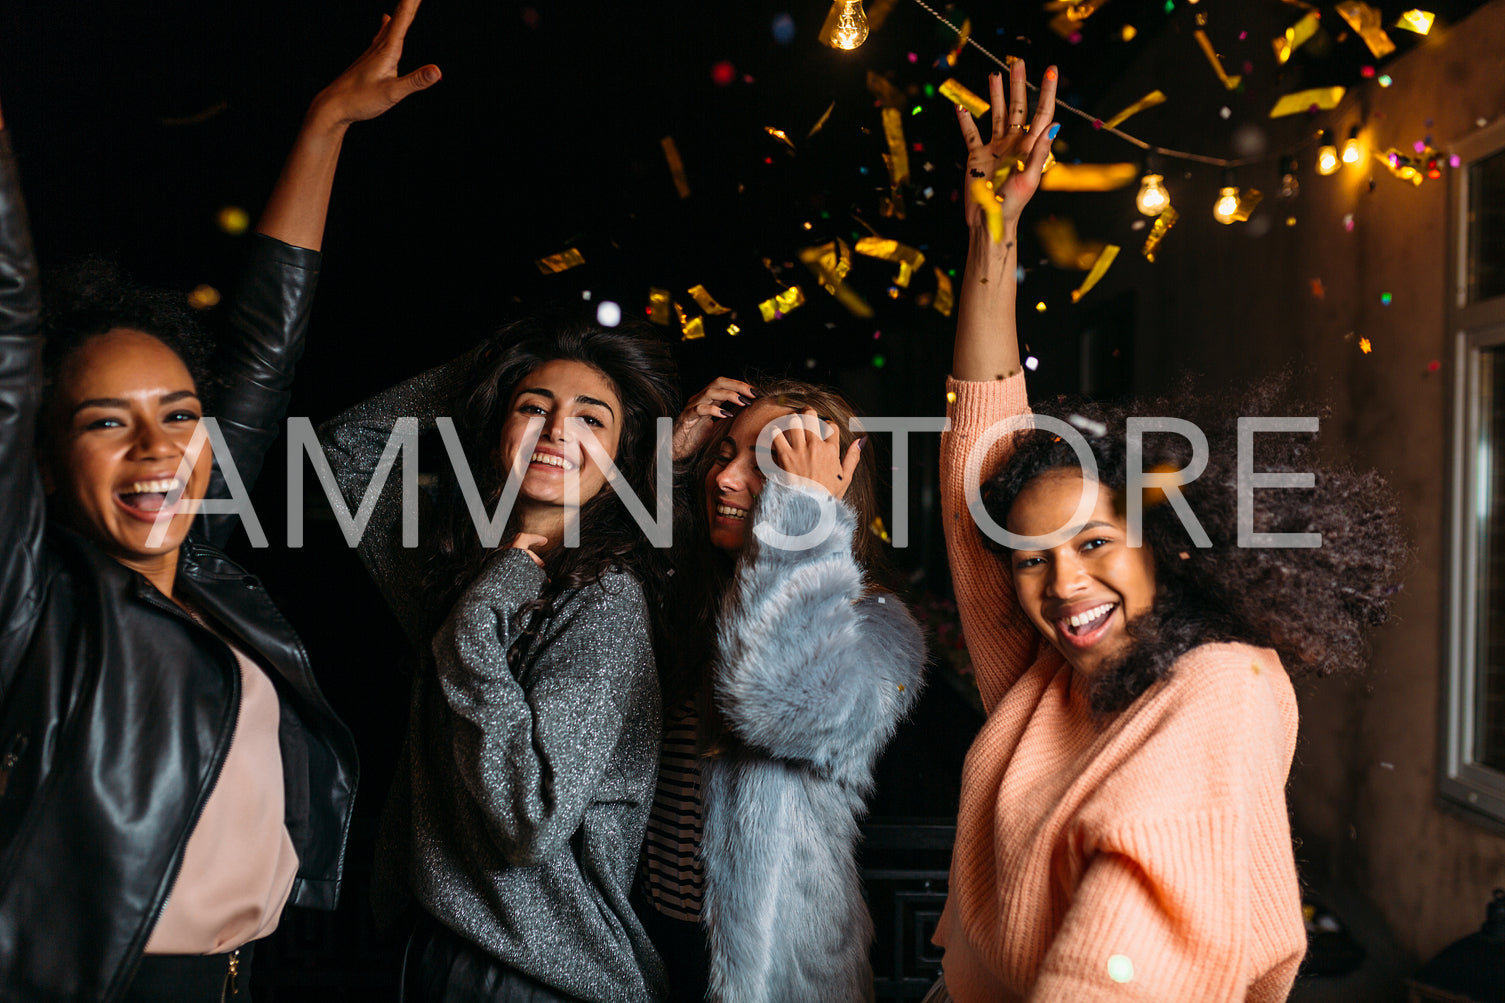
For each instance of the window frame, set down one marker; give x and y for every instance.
(1471, 788)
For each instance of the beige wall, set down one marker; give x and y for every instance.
(1230, 305)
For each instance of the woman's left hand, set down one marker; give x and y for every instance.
(371, 85)
(801, 451)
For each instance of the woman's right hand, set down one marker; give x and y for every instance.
(526, 542)
(1012, 143)
(693, 427)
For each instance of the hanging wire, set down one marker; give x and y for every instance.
(1098, 124)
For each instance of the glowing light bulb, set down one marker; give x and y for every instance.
(1227, 204)
(1351, 152)
(851, 25)
(1152, 198)
(1327, 160)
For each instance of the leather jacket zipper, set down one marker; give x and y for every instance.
(13, 753)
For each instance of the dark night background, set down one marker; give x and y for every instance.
(137, 122)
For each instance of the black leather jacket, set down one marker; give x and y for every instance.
(116, 708)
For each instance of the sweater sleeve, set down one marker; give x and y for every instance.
(355, 444)
(531, 749)
(1189, 890)
(1000, 639)
(809, 668)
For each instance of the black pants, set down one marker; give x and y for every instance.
(442, 967)
(191, 978)
(683, 947)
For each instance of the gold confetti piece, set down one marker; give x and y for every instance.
(1419, 21)
(884, 249)
(1163, 223)
(1099, 269)
(676, 166)
(781, 136)
(1401, 165)
(1150, 100)
(658, 306)
(1064, 248)
(1089, 177)
(1324, 98)
(964, 33)
(898, 150)
(1247, 202)
(957, 93)
(1231, 83)
(877, 528)
(733, 330)
(950, 396)
(830, 263)
(887, 94)
(820, 123)
(1068, 21)
(691, 328)
(561, 262)
(982, 194)
(1365, 346)
(203, 297)
(1296, 36)
(945, 298)
(778, 306)
(706, 301)
(1369, 23)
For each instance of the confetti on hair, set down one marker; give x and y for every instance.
(1096, 429)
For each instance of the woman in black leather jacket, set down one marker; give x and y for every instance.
(134, 662)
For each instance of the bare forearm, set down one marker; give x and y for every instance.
(987, 340)
(299, 204)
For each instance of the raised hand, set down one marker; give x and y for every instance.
(696, 423)
(993, 164)
(800, 450)
(371, 85)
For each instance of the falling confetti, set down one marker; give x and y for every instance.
(820, 123)
(1163, 223)
(1296, 36)
(1364, 346)
(658, 306)
(781, 136)
(1419, 21)
(1321, 98)
(234, 220)
(203, 297)
(706, 301)
(561, 262)
(1231, 83)
(1031, 363)
(775, 308)
(957, 93)
(723, 74)
(945, 299)
(1150, 100)
(1099, 269)
(1318, 290)
(1367, 21)
(676, 166)
(884, 249)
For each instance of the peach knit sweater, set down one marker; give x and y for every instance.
(1147, 858)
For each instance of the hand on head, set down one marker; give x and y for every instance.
(802, 451)
(693, 427)
(995, 161)
(371, 85)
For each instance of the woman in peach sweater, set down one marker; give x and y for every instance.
(1122, 833)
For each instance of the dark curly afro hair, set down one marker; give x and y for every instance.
(1312, 604)
(92, 296)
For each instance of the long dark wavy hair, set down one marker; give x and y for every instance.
(641, 369)
(1312, 605)
(703, 573)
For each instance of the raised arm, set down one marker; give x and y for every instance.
(268, 318)
(987, 382)
(21, 501)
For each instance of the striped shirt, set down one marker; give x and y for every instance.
(675, 876)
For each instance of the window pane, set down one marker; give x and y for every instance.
(1489, 515)
(1486, 228)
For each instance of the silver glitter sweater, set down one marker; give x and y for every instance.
(520, 801)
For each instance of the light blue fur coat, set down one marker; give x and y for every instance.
(813, 675)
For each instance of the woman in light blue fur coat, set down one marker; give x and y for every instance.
(809, 670)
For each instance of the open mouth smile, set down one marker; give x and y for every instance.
(1086, 628)
(551, 460)
(149, 499)
(730, 512)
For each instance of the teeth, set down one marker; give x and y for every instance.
(1090, 615)
(549, 459)
(166, 486)
(735, 513)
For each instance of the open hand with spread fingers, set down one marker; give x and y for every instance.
(994, 163)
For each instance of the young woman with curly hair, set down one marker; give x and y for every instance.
(171, 778)
(789, 670)
(512, 830)
(1122, 833)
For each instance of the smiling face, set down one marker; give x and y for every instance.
(552, 394)
(1082, 593)
(123, 412)
(734, 480)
